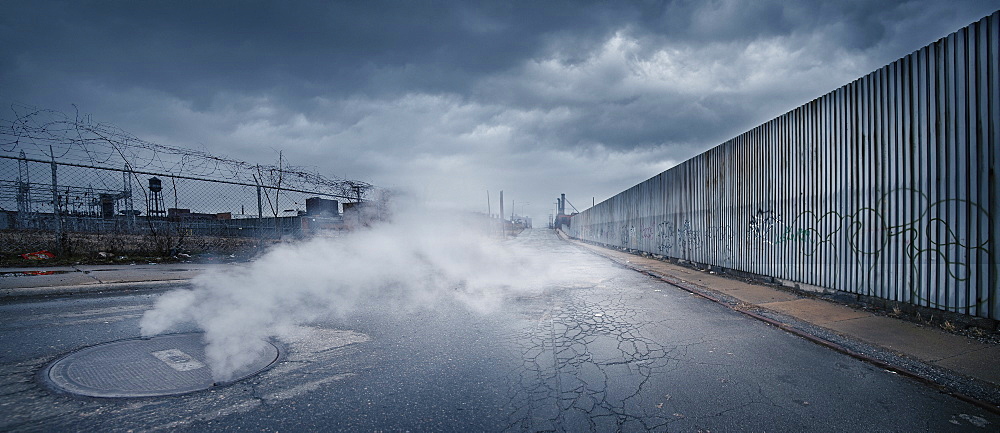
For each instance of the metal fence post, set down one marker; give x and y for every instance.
(260, 215)
(60, 241)
(24, 208)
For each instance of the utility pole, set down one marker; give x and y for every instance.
(503, 225)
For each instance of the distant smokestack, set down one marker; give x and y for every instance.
(562, 204)
(501, 204)
(503, 225)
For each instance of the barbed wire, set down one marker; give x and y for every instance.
(54, 135)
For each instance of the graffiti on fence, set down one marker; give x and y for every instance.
(647, 232)
(763, 224)
(628, 233)
(665, 232)
(686, 237)
(792, 234)
(926, 247)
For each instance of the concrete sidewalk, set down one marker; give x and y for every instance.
(21, 283)
(929, 345)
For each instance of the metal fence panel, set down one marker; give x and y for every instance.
(885, 187)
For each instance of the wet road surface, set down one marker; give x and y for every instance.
(607, 350)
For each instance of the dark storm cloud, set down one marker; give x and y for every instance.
(501, 93)
(195, 49)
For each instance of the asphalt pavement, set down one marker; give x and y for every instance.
(923, 351)
(667, 348)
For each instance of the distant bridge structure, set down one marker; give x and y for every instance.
(886, 188)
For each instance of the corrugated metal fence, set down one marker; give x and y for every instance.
(885, 187)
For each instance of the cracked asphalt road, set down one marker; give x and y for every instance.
(607, 350)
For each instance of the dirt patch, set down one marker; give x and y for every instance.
(101, 248)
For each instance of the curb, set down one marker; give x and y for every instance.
(37, 292)
(830, 344)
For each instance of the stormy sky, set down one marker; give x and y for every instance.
(451, 99)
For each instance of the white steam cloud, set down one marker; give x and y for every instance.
(421, 259)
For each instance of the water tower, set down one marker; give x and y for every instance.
(156, 208)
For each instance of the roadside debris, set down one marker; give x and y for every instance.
(29, 273)
(39, 255)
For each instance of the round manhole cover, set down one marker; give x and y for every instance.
(163, 365)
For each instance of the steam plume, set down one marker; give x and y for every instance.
(421, 259)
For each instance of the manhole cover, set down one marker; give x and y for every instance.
(163, 365)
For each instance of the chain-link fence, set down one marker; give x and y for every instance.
(70, 210)
(62, 195)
